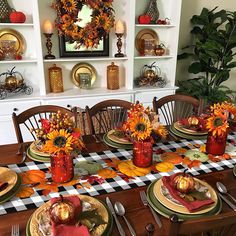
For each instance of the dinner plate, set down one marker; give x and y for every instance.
(11, 34)
(166, 199)
(116, 145)
(145, 34)
(9, 176)
(35, 157)
(113, 135)
(35, 150)
(187, 136)
(83, 68)
(32, 224)
(181, 128)
(10, 194)
(166, 212)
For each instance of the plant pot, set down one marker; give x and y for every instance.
(142, 153)
(62, 168)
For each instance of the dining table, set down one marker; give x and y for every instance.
(138, 215)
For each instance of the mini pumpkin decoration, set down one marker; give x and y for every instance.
(192, 120)
(160, 49)
(17, 17)
(13, 79)
(62, 211)
(129, 169)
(184, 183)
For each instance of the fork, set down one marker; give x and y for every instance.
(15, 230)
(145, 203)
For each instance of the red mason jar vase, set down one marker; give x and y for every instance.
(62, 168)
(142, 153)
(216, 144)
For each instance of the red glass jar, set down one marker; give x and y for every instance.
(62, 168)
(215, 145)
(142, 153)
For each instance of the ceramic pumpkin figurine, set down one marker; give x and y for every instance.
(62, 212)
(160, 49)
(17, 17)
(184, 183)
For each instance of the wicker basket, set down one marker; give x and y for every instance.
(5, 11)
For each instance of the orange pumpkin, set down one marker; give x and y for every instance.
(129, 169)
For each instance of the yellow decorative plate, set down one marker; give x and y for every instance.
(83, 68)
(42, 214)
(113, 135)
(9, 176)
(181, 128)
(177, 207)
(11, 34)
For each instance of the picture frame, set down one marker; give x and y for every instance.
(67, 50)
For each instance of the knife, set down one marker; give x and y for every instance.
(110, 206)
(228, 202)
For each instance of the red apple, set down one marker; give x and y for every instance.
(17, 17)
(144, 19)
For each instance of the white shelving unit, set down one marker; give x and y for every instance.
(34, 67)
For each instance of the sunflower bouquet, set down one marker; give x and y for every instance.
(143, 124)
(59, 135)
(217, 123)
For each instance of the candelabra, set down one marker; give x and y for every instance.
(119, 45)
(49, 46)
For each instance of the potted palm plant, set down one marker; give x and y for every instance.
(214, 41)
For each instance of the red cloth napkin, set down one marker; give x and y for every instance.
(70, 230)
(191, 206)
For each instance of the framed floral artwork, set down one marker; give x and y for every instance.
(83, 27)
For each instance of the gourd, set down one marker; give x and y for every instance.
(184, 183)
(129, 169)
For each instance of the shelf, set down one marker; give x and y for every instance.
(154, 25)
(19, 61)
(148, 89)
(16, 24)
(77, 92)
(76, 59)
(152, 57)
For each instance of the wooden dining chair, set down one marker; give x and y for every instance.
(217, 225)
(177, 106)
(29, 120)
(107, 115)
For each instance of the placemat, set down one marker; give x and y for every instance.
(113, 184)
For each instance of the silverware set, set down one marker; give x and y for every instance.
(119, 208)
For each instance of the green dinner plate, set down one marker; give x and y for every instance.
(35, 157)
(116, 145)
(12, 192)
(166, 212)
(187, 136)
(107, 231)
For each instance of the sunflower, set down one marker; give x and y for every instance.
(217, 123)
(67, 19)
(140, 128)
(59, 141)
(69, 5)
(104, 21)
(69, 28)
(161, 131)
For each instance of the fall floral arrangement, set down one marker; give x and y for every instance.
(102, 20)
(217, 123)
(58, 135)
(143, 124)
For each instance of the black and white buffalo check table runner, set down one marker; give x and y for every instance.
(16, 204)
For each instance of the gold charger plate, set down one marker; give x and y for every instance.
(116, 139)
(11, 34)
(42, 211)
(34, 149)
(179, 207)
(83, 68)
(182, 129)
(145, 34)
(9, 176)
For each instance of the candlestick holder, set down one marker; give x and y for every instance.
(119, 45)
(49, 46)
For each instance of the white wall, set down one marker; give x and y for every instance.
(190, 8)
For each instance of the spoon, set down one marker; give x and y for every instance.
(120, 210)
(222, 188)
